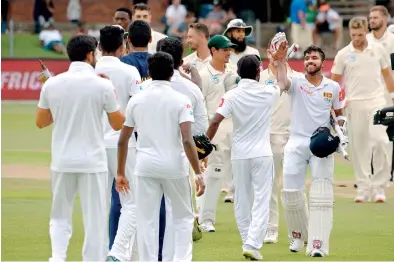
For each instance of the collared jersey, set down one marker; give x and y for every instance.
(125, 78)
(140, 61)
(362, 70)
(77, 99)
(250, 106)
(156, 36)
(311, 106)
(280, 122)
(234, 58)
(191, 90)
(195, 61)
(157, 113)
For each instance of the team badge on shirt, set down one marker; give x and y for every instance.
(327, 96)
(352, 58)
(270, 82)
(215, 79)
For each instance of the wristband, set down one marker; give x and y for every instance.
(392, 95)
(343, 118)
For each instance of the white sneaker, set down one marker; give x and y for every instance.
(379, 195)
(296, 244)
(207, 226)
(229, 198)
(317, 253)
(272, 236)
(362, 197)
(252, 254)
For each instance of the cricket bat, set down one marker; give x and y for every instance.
(338, 130)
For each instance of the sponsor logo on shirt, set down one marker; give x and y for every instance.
(221, 102)
(306, 91)
(189, 107)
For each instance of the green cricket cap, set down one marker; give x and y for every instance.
(220, 42)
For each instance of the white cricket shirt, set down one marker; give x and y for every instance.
(250, 105)
(156, 36)
(191, 90)
(234, 58)
(77, 99)
(157, 112)
(195, 61)
(311, 106)
(125, 78)
(280, 122)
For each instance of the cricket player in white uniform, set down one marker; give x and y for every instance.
(213, 78)
(142, 11)
(364, 63)
(164, 148)
(237, 30)
(312, 98)
(74, 102)
(184, 86)
(280, 124)
(125, 78)
(250, 105)
(197, 39)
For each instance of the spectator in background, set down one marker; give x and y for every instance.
(300, 33)
(51, 39)
(74, 11)
(142, 12)
(179, 30)
(216, 19)
(310, 18)
(328, 20)
(175, 13)
(81, 29)
(42, 14)
(5, 4)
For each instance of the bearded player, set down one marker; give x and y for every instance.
(279, 135)
(312, 98)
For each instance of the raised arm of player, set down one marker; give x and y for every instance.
(43, 113)
(194, 75)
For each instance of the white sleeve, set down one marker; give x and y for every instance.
(200, 115)
(41, 36)
(43, 103)
(110, 104)
(186, 112)
(129, 114)
(225, 107)
(135, 80)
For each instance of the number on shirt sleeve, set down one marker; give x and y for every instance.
(129, 114)
(225, 107)
(110, 104)
(339, 97)
(186, 114)
(43, 103)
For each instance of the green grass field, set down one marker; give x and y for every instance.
(362, 232)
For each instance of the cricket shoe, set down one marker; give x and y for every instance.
(379, 195)
(296, 244)
(316, 253)
(252, 255)
(362, 197)
(229, 198)
(272, 236)
(207, 226)
(197, 233)
(112, 258)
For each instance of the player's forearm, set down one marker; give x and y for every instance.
(123, 145)
(191, 153)
(212, 129)
(195, 76)
(283, 80)
(340, 116)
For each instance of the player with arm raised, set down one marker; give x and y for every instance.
(125, 79)
(165, 147)
(74, 102)
(250, 106)
(364, 63)
(312, 98)
(279, 135)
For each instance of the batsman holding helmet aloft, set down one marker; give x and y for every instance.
(312, 97)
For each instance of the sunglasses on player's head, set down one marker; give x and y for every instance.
(239, 24)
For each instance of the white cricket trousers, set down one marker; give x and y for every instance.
(149, 192)
(367, 141)
(252, 176)
(92, 188)
(278, 142)
(124, 246)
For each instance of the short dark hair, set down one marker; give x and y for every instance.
(173, 47)
(124, 9)
(142, 7)
(161, 66)
(78, 47)
(111, 38)
(201, 28)
(139, 33)
(313, 48)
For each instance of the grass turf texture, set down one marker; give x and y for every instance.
(361, 231)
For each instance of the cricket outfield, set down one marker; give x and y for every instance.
(361, 232)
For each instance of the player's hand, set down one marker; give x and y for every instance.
(103, 76)
(42, 78)
(203, 164)
(122, 184)
(344, 142)
(200, 185)
(187, 68)
(278, 47)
